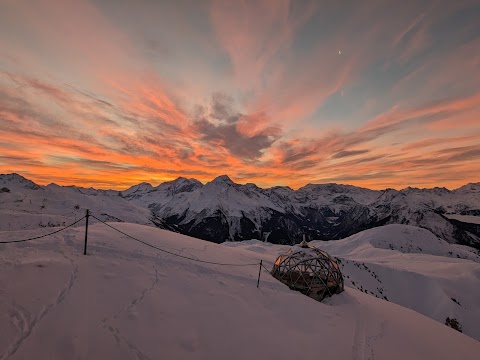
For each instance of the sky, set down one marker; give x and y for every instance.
(111, 93)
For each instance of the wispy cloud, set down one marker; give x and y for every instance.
(382, 94)
(347, 153)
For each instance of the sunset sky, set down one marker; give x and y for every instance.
(110, 93)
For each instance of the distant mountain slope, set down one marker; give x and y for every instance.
(223, 210)
(27, 205)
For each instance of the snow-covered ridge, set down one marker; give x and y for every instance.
(223, 210)
(15, 181)
(469, 219)
(27, 205)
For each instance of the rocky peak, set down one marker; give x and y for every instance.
(179, 185)
(15, 180)
(222, 179)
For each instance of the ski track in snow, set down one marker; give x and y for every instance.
(358, 347)
(137, 300)
(172, 262)
(359, 341)
(115, 332)
(20, 317)
(23, 321)
(373, 338)
(363, 345)
(118, 338)
(366, 324)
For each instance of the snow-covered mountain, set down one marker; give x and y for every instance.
(26, 205)
(128, 301)
(223, 210)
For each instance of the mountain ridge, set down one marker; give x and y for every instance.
(475, 185)
(222, 210)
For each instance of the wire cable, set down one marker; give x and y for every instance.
(266, 269)
(168, 252)
(42, 236)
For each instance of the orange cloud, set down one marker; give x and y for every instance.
(254, 33)
(92, 110)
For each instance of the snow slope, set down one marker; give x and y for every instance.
(409, 266)
(128, 301)
(464, 218)
(29, 206)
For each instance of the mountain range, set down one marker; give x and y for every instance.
(222, 210)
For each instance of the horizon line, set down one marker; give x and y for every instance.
(238, 183)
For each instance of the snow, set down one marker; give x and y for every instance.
(402, 238)
(29, 206)
(464, 218)
(408, 266)
(239, 211)
(125, 300)
(415, 269)
(232, 202)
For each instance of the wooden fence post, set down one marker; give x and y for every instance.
(86, 232)
(259, 272)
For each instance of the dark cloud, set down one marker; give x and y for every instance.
(99, 101)
(14, 104)
(129, 145)
(184, 153)
(346, 153)
(456, 150)
(89, 163)
(222, 108)
(238, 144)
(347, 178)
(30, 122)
(209, 160)
(249, 175)
(299, 149)
(85, 106)
(25, 160)
(53, 91)
(305, 165)
(466, 155)
(218, 126)
(292, 155)
(156, 48)
(319, 149)
(407, 121)
(369, 159)
(182, 172)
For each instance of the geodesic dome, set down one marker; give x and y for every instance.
(309, 270)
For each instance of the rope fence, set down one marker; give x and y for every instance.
(169, 252)
(88, 214)
(42, 236)
(266, 268)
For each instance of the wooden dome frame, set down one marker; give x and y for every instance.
(309, 270)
